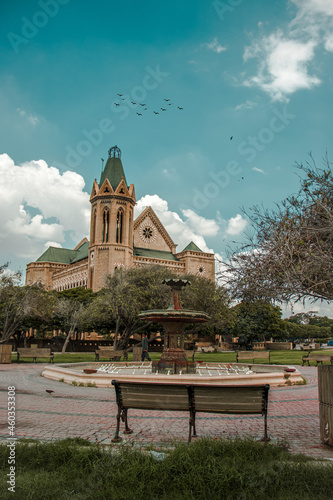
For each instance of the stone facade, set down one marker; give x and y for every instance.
(116, 240)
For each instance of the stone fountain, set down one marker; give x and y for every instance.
(174, 320)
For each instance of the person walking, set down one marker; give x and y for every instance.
(145, 353)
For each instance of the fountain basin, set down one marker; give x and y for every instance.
(275, 375)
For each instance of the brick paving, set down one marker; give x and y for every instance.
(90, 413)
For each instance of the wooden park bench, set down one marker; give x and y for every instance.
(319, 358)
(109, 353)
(253, 355)
(34, 353)
(206, 398)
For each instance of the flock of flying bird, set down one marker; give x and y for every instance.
(122, 97)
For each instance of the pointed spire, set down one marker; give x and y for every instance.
(113, 170)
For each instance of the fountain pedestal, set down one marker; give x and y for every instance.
(174, 319)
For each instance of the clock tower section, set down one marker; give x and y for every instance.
(111, 226)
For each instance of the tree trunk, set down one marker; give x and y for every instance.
(70, 333)
(116, 334)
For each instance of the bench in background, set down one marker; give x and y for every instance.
(319, 358)
(34, 353)
(253, 355)
(109, 353)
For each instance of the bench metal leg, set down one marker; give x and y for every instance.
(124, 418)
(266, 438)
(116, 438)
(192, 426)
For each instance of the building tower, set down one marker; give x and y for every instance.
(111, 226)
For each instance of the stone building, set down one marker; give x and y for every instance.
(116, 240)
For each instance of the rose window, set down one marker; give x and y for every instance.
(147, 232)
(201, 269)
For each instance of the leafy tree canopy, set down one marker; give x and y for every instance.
(256, 321)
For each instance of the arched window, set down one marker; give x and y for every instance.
(119, 229)
(130, 229)
(93, 227)
(106, 222)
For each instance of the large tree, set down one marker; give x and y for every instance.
(289, 254)
(20, 306)
(69, 314)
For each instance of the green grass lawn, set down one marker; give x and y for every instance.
(277, 357)
(205, 469)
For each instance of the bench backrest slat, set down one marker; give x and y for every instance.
(154, 396)
(324, 357)
(110, 352)
(236, 399)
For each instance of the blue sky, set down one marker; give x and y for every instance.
(257, 71)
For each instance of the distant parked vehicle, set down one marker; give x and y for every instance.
(330, 342)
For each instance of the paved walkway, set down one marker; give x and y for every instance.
(90, 413)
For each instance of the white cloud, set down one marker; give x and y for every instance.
(206, 227)
(329, 43)
(31, 118)
(48, 244)
(215, 46)
(236, 225)
(312, 7)
(246, 105)
(285, 56)
(181, 231)
(39, 204)
(284, 65)
(256, 169)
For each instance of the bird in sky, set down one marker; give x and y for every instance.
(146, 109)
(163, 109)
(49, 391)
(133, 102)
(142, 104)
(116, 104)
(139, 114)
(166, 100)
(169, 103)
(120, 95)
(231, 138)
(156, 113)
(179, 107)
